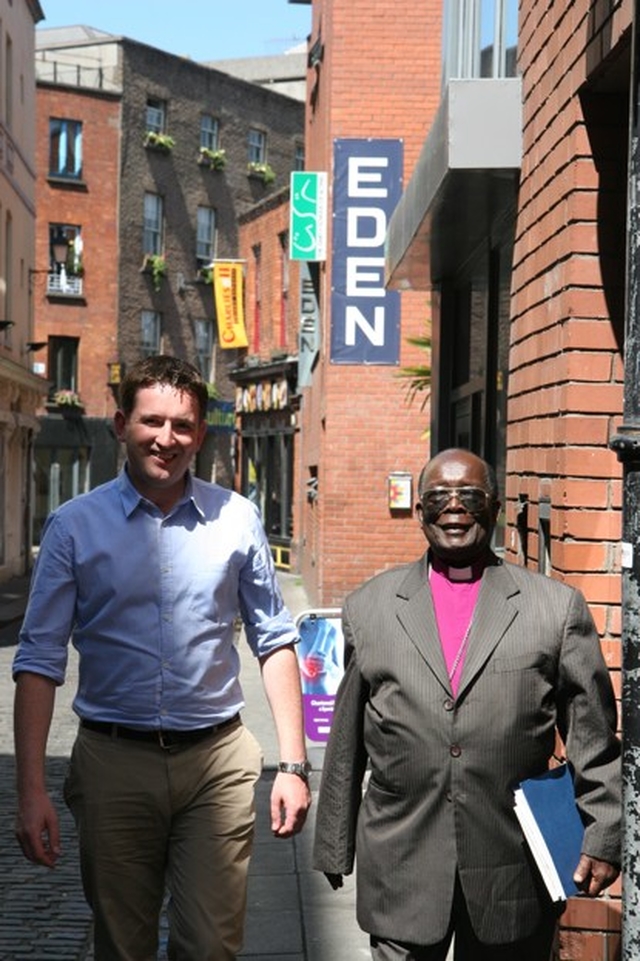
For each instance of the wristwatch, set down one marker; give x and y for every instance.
(301, 768)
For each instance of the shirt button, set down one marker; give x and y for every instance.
(455, 750)
(449, 704)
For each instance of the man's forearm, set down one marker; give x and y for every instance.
(281, 679)
(33, 710)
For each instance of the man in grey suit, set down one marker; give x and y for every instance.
(460, 673)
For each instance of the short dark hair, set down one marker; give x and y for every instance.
(163, 369)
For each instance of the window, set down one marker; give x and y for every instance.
(66, 277)
(209, 132)
(8, 83)
(298, 160)
(153, 214)
(203, 330)
(206, 235)
(63, 363)
(65, 148)
(156, 115)
(150, 326)
(257, 145)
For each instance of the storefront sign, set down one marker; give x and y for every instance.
(221, 417)
(262, 396)
(228, 292)
(308, 220)
(365, 317)
(309, 336)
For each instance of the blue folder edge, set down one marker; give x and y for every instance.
(552, 802)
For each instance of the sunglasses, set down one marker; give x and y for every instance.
(473, 499)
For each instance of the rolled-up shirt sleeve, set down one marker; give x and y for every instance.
(50, 614)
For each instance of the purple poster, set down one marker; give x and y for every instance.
(320, 658)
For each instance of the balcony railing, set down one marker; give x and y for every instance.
(480, 39)
(64, 285)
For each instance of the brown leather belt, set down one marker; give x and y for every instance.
(165, 739)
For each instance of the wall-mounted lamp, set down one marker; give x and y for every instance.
(6, 324)
(33, 345)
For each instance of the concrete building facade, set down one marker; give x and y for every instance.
(21, 392)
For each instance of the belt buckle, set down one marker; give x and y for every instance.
(165, 745)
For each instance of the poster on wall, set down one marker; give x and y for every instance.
(365, 316)
(321, 661)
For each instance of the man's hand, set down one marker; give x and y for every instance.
(290, 802)
(593, 876)
(38, 831)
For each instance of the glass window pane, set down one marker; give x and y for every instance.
(205, 235)
(208, 132)
(65, 148)
(257, 144)
(155, 116)
(149, 333)
(153, 211)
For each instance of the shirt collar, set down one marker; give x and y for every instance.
(132, 498)
(457, 574)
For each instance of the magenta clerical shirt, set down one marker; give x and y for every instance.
(454, 591)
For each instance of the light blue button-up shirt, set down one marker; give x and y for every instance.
(150, 602)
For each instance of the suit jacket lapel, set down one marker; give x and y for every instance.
(495, 611)
(417, 615)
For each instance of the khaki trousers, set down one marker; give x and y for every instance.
(149, 817)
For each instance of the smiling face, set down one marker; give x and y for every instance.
(457, 534)
(161, 435)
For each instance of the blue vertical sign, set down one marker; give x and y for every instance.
(365, 317)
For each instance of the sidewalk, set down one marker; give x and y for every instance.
(292, 915)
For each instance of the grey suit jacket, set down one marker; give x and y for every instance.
(439, 797)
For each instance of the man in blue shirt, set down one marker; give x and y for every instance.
(148, 574)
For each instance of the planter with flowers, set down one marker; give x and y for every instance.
(214, 159)
(159, 141)
(261, 171)
(156, 265)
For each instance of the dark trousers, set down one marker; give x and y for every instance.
(467, 947)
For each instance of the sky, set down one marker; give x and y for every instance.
(200, 29)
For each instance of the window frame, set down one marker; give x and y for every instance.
(153, 226)
(71, 132)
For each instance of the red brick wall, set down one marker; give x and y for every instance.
(264, 226)
(379, 77)
(94, 317)
(565, 379)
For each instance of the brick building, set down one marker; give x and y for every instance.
(158, 156)
(370, 78)
(267, 399)
(514, 221)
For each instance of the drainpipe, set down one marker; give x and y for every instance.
(626, 444)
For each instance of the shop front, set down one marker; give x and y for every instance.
(266, 423)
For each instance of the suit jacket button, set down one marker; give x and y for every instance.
(449, 704)
(455, 750)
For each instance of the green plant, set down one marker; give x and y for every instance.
(215, 159)
(67, 398)
(263, 171)
(419, 375)
(156, 265)
(205, 274)
(159, 141)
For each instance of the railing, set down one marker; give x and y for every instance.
(64, 285)
(479, 39)
(77, 75)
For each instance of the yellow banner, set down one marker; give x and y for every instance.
(228, 292)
